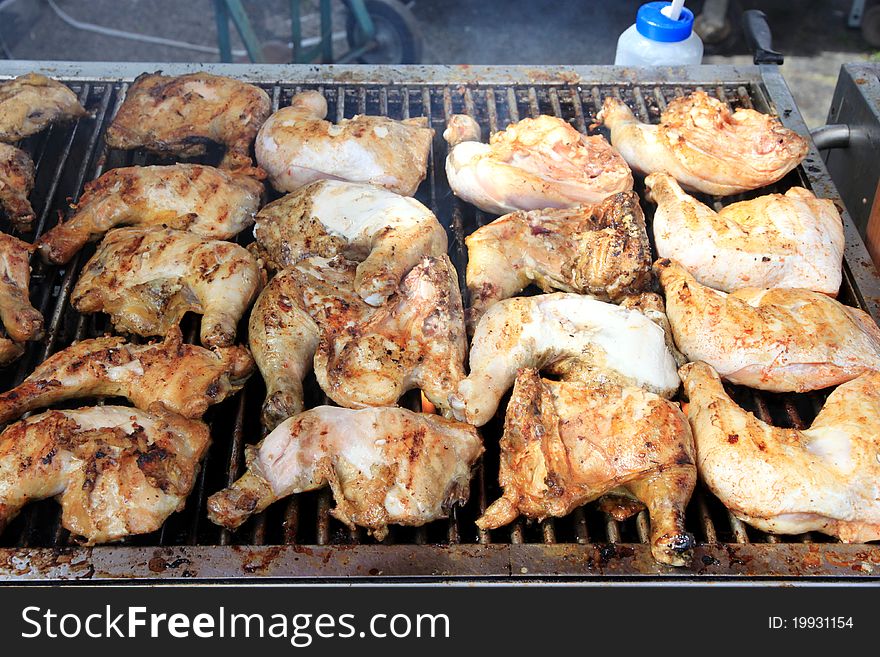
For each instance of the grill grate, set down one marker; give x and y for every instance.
(67, 156)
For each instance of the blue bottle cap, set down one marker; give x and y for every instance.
(653, 24)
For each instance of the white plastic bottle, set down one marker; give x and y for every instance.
(656, 39)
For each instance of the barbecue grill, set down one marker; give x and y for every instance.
(297, 538)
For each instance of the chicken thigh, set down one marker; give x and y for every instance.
(389, 233)
(778, 240)
(782, 340)
(116, 471)
(147, 279)
(601, 250)
(16, 182)
(200, 199)
(20, 319)
(705, 146)
(180, 115)
(385, 466)
(185, 378)
(568, 443)
(786, 481)
(296, 146)
(32, 102)
(533, 164)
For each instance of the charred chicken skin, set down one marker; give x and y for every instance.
(181, 115)
(705, 146)
(384, 465)
(20, 319)
(30, 103)
(200, 199)
(16, 182)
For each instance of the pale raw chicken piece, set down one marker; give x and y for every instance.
(20, 319)
(568, 443)
(385, 466)
(577, 336)
(533, 164)
(184, 377)
(116, 471)
(32, 102)
(785, 481)
(778, 240)
(600, 249)
(781, 340)
(181, 115)
(296, 146)
(16, 182)
(387, 232)
(200, 199)
(147, 279)
(705, 146)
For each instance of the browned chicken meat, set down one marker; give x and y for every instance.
(788, 481)
(387, 232)
(533, 164)
(384, 465)
(180, 115)
(32, 102)
(20, 319)
(116, 471)
(568, 443)
(296, 146)
(200, 199)
(184, 377)
(600, 249)
(705, 146)
(147, 279)
(310, 316)
(782, 340)
(16, 182)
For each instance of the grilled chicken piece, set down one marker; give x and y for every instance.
(185, 378)
(181, 115)
(786, 481)
(601, 250)
(147, 279)
(568, 443)
(30, 103)
(20, 319)
(790, 240)
(296, 146)
(200, 199)
(577, 337)
(385, 466)
(116, 471)
(705, 146)
(533, 164)
(782, 340)
(389, 233)
(16, 182)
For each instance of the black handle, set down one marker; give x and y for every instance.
(759, 37)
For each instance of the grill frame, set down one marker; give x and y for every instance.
(416, 558)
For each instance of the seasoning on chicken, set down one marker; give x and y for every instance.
(385, 466)
(200, 199)
(778, 240)
(568, 443)
(20, 319)
(533, 164)
(16, 182)
(389, 233)
(789, 481)
(600, 249)
(30, 103)
(782, 340)
(576, 336)
(296, 146)
(705, 146)
(147, 279)
(116, 471)
(181, 115)
(184, 377)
